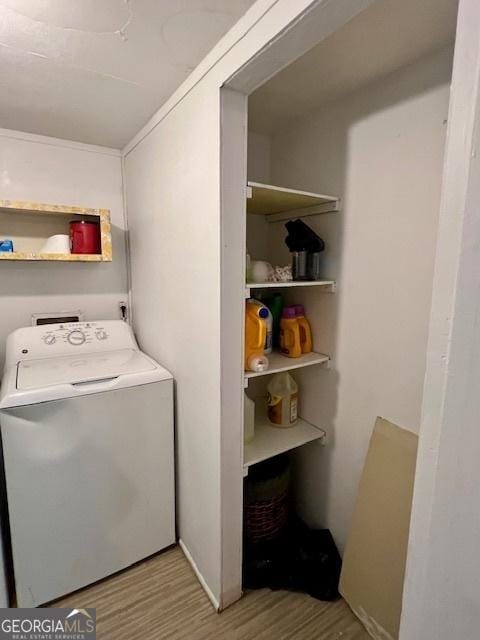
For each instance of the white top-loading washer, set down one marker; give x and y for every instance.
(87, 430)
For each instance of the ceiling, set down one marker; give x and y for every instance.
(96, 70)
(383, 38)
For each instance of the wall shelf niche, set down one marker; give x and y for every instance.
(29, 224)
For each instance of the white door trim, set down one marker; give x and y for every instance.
(442, 589)
(233, 181)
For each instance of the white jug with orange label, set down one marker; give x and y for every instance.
(282, 400)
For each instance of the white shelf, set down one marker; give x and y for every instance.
(278, 362)
(290, 283)
(328, 285)
(271, 441)
(53, 257)
(270, 200)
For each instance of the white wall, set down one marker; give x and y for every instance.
(259, 157)
(56, 171)
(175, 255)
(381, 149)
(258, 170)
(173, 172)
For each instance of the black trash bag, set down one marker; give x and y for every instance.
(302, 238)
(302, 559)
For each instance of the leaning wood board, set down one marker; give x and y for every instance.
(374, 562)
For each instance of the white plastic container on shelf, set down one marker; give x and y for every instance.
(248, 420)
(282, 400)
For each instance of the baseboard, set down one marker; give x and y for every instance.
(200, 578)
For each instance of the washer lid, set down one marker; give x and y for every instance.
(88, 367)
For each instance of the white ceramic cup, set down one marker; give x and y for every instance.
(260, 270)
(59, 243)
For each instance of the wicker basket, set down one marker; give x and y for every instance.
(266, 520)
(266, 501)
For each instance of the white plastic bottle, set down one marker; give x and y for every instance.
(248, 268)
(282, 400)
(249, 419)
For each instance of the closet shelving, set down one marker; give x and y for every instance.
(279, 362)
(19, 219)
(271, 441)
(278, 204)
(327, 285)
(281, 203)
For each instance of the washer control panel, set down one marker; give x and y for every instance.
(74, 333)
(52, 340)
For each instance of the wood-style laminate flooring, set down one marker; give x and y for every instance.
(162, 599)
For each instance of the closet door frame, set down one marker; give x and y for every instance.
(448, 472)
(311, 25)
(441, 590)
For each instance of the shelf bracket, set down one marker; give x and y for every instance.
(327, 364)
(323, 441)
(331, 288)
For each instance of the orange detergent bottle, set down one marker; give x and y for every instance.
(290, 343)
(255, 336)
(306, 339)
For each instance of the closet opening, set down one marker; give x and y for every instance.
(350, 140)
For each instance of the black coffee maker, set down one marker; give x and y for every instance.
(306, 248)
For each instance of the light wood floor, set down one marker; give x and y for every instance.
(161, 598)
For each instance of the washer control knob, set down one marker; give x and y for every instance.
(101, 334)
(76, 337)
(49, 339)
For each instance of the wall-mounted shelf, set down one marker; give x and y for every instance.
(327, 285)
(271, 441)
(278, 362)
(52, 257)
(279, 203)
(29, 224)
